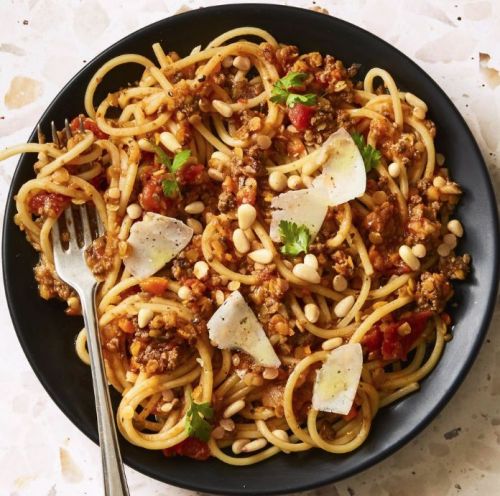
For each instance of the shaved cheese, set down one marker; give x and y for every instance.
(343, 177)
(153, 242)
(235, 326)
(305, 207)
(337, 381)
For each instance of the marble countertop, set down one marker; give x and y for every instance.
(44, 42)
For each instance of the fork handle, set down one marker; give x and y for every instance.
(115, 483)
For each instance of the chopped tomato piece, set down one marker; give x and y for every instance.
(300, 115)
(152, 198)
(126, 325)
(49, 204)
(190, 447)
(89, 125)
(154, 285)
(386, 339)
(190, 173)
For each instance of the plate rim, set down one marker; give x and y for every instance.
(451, 388)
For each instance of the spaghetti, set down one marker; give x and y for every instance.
(242, 128)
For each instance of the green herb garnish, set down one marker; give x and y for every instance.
(295, 238)
(281, 90)
(161, 155)
(371, 156)
(170, 187)
(197, 417)
(179, 160)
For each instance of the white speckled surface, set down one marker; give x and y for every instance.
(41, 452)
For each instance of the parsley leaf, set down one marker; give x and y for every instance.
(370, 155)
(170, 187)
(281, 90)
(197, 417)
(180, 159)
(295, 238)
(308, 99)
(293, 80)
(161, 155)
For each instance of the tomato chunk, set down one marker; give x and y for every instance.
(385, 338)
(190, 447)
(88, 124)
(48, 204)
(300, 115)
(190, 173)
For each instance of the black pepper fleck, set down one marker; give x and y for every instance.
(452, 434)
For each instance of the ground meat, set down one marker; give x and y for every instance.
(423, 227)
(273, 397)
(386, 261)
(385, 220)
(455, 267)
(49, 285)
(227, 202)
(97, 258)
(158, 357)
(433, 291)
(343, 263)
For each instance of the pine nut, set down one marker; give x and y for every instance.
(262, 256)
(220, 156)
(306, 273)
(394, 169)
(440, 159)
(227, 424)
(418, 113)
(242, 63)
(200, 269)
(215, 174)
(270, 373)
(343, 306)
(233, 408)
(238, 445)
(281, 435)
(196, 207)
(419, 250)
(228, 61)
(379, 197)
(263, 141)
(443, 250)
(218, 432)
(73, 302)
(408, 257)
(134, 211)
(219, 297)
(415, 101)
(246, 215)
(144, 316)
(240, 241)
(331, 344)
(114, 193)
(455, 227)
(195, 225)
(166, 407)
(294, 182)
(450, 189)
(277, 181)
(61, 176)
(340, 283)
(311, 260)
(439, 181)
(146, 145)
(311, 311)
(184, 293)
(169, 141)
(234, 285)
(222, 108)
(255, 445)
(451, 240)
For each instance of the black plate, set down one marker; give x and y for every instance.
(47, 335)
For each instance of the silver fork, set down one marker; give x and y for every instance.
(72, 268)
